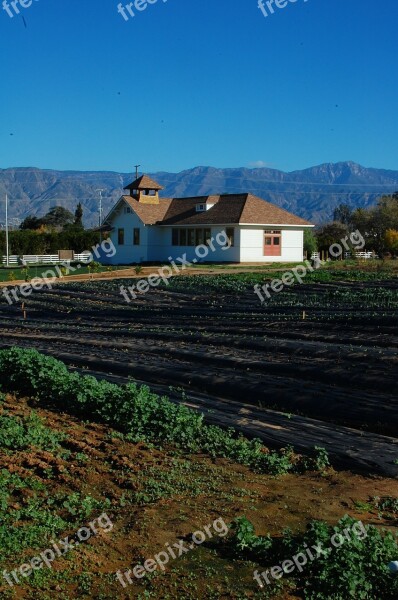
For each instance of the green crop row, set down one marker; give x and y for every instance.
(141, 414)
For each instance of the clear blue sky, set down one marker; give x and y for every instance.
(199, 82)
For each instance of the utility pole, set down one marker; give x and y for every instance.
(7, 242)
(136, 170)
(100, 211)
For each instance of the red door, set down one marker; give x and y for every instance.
(272, 243)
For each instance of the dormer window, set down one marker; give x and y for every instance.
(200, 207)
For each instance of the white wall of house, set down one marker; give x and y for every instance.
(252, 244)
(128, 253)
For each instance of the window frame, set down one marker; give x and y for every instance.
(230, 233)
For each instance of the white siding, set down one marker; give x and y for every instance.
(252, 244)
(128, 253)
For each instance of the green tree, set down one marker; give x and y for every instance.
(331, 233)
(58, 217)
(343, 214)
(374, 222)
(32, 223)
(391, 241)
(310, 242)
(78, 222)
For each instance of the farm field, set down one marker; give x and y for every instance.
(58, 472)
(212, 338)
(314, 367)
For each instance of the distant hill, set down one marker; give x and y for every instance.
(311, 193)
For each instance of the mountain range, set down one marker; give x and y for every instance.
(310, 193)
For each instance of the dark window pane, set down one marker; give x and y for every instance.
(174, 236)
(136, 236)
(200, 237)
(191, 237)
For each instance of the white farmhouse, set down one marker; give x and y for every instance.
(147, 228)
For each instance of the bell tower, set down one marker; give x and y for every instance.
(144, 190)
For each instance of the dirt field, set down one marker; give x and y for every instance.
(154, 497)
(336, 366)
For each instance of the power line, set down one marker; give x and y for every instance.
(99, 176)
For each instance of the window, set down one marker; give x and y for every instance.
(136, 236)
(120, 237)
(175, 237)
(127, 210)
(191, 237)
(200, 207)
(230, 231)
(200, 237)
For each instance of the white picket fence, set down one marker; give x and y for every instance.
(42, 259)
(360, 255)
(363, 255)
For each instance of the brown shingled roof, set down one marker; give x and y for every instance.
(143, 183)
(228, 209)
(260, 211)
(150, 214)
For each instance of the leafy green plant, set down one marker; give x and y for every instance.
(246, 540)
(387, 504)
(355, 568)
(26, 273)
(94, 267)
(19, 434)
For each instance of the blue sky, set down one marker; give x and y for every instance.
(199, 82)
